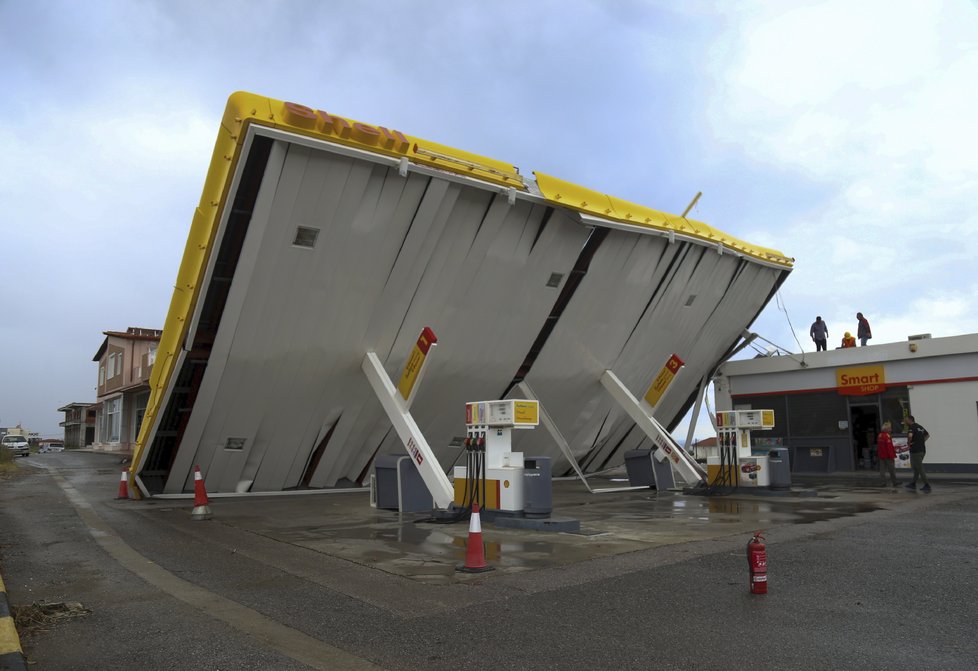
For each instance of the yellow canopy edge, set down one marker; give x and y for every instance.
(573, 196)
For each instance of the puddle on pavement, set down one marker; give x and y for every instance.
(429, 552)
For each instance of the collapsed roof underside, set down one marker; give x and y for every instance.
(272, 360)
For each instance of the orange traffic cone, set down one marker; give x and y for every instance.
(123, 485)
(202, 510)
(475, 553)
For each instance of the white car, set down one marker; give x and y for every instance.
(52, 447)
(17, 445)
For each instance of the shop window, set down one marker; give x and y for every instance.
(816, 414)
(895, 403)
(139, 412)
(112, 413)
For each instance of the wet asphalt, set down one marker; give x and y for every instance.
(860, 577)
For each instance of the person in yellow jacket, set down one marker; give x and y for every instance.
(848, 340)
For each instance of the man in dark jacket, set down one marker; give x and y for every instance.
(819, 333)
(917, 437)
(863, 332)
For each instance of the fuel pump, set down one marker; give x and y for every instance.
(493, 474)
(735, 465)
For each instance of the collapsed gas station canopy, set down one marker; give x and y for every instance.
(319, 239)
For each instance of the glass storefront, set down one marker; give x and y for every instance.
(838, 429)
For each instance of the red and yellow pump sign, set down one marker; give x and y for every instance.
(663, 379)
(412, 369)
(861, 380)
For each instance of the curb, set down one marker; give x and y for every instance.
(11, 655)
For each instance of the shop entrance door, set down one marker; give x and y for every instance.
(864, 426)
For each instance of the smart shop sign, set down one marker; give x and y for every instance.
(860, 381)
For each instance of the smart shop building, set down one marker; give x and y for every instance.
(829, 406)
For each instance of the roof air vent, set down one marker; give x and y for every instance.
(305, 237)
(234, 444)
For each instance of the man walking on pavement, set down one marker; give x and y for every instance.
(917, 437)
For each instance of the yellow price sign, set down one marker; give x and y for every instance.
(663, 379)
(415, 361)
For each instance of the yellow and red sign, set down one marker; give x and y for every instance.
(663, 380)
(412, 369)
(860, 381)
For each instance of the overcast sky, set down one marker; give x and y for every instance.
(841, 133)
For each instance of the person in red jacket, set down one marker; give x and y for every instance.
(886, 454)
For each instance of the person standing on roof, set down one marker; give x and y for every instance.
(819, 333)
(863, 332)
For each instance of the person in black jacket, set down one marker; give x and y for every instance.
(917, 437)
(863, 332)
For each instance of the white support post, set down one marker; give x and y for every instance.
(704, 383)
(407, 429)
(687, 468)
(551, 427)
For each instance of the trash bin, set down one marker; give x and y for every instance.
(779, 465)
(638, 465)
(537, 487)
(662, 470)
(399, 485)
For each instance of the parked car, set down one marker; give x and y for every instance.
(52, 447)
(16, 444)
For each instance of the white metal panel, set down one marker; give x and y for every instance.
(948, 412)
(594, 427)
(211, 457)
(486, 302)
(287, 288)
(626, 276)
(388, 261)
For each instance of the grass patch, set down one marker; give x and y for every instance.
(6, 461)
(40, 616)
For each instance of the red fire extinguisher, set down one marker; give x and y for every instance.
(757, 564)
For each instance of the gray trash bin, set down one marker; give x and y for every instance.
(538, 498)
(644, 470)
(664, 478)
(638, 465)
(399, 485)
(780, 468)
